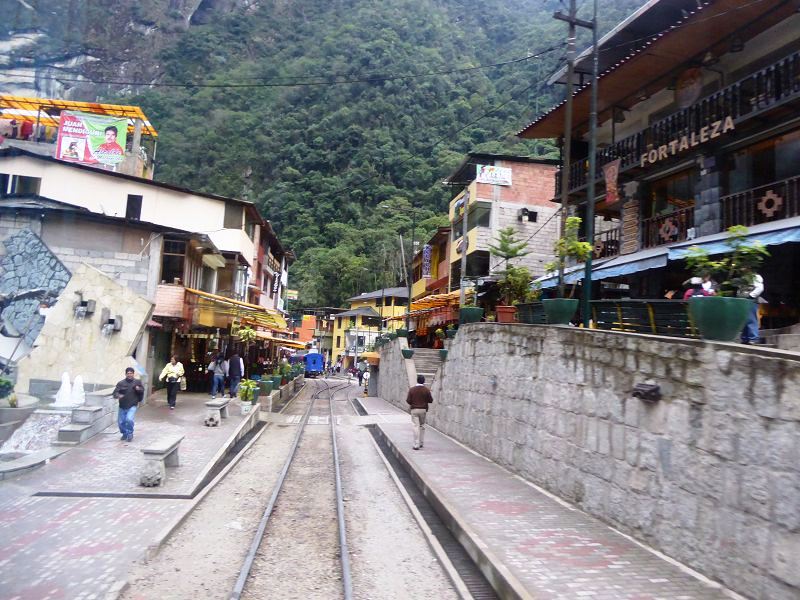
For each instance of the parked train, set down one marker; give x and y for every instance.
(315, 364)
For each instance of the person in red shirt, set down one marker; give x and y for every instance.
(418, 399)
(110, 146)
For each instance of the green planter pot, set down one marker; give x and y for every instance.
(531, 313)
(443, 354)
(559, 311)
(265, 386)
(256, 394)
(450, 333)
(402, 332)
(276, 382)
(719, 318)
(470, 314)
(407, 353)
(392, 336)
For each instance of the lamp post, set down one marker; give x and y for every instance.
(410, 272)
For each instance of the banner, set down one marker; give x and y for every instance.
(91, 139)
(493, 175)
(611, 172)
(291, 294)
(426, 261)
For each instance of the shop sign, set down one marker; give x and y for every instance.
(426, 261)
(611, 173)
(276, 281)
(292, 294)
(493, 175)
(672, 148)
(91, 139)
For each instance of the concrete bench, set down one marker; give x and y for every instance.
(216, 410)
(159, 456)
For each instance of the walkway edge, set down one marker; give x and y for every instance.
(499, 576)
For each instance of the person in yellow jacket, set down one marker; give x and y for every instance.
(172, 372)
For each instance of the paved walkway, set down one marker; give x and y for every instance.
(550, 548)
(78, 547)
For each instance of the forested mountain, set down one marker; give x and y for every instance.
(334, 116)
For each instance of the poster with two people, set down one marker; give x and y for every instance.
(90, 139)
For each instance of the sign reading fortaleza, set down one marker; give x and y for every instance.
(91, 139)
(709, 132)
(493, 175)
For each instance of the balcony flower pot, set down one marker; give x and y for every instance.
(470, 314)
(402, 332)
(443, 354)
(506, 314)
(719, 318)
(559, 311)
(407, 352)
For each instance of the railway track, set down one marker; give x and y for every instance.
(301, 492)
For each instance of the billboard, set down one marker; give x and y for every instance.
(493, 175)
(292, 294)
(91, 139)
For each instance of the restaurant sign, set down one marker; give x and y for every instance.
(672, 148)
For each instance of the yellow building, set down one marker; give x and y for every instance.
(355, 330)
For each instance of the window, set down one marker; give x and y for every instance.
(19, 185)
(339, 323)
(233, 216)
(172, 261)
(764, 163)
(133, 210)
(209, 280)
(338, 341)
(670, 194)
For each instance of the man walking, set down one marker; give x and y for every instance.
(129, 392)
(219, 370)
(362, 368)
(235, 372)
(419, 397)
(752, 291)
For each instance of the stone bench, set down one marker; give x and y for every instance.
(159, 456)
(216, 410)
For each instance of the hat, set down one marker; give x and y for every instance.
(696, 281)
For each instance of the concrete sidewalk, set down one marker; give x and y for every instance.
(527, 542)
(65, 546)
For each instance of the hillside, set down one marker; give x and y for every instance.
(320, 110)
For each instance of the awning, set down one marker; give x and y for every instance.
(652, 258)
(769, 234)
(253, 313)
(437, 300)
(262, 335)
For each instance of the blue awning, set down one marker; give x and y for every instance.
(769, 234)
(652, 258)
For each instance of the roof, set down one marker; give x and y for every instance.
(649, 56)
(364, 311)
(13, 151)
(48, 111)
(466, 171)
(396, 292)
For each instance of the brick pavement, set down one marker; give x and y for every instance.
(552, 549)
(78, 547)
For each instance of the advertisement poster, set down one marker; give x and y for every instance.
(493, 175)
(91, 139)
(611, 172)
(292, 294)
(427, 250)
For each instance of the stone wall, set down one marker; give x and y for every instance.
(709, 475)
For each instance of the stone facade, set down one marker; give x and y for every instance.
(709, 474)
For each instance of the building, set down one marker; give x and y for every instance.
(496, 192)
(355, 329)
(698, 130)
(431, 266)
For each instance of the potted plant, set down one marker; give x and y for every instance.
(439, 333)
(722, 316)
(402, 332)
(470, 313)
(450, 332)
(392, 335)
(276, 379)
(407, 352)
(286, 370)
(531, 310)
(443, 354)
(6, 387)
(248, 393)
(514, 280)
(559, 311)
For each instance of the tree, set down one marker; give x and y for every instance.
(508, 248)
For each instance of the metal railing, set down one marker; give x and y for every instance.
(607, 243)
(666, 229)
(771, 202)
(743, 99)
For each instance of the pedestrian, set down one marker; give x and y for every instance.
(235, 372)
(752, 291)
(172, 372)
(362, 368)
(419, 397)
(129, 392)
(695, 288)
(219, 370)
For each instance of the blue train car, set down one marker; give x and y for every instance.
(315, 364)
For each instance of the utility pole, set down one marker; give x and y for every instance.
(590, 189)
(464, 245)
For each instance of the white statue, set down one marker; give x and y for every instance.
(64, 395)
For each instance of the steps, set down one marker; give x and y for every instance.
(427, 362)
(88, 420)
(787, 338)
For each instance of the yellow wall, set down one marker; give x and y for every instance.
(472, 245)
(386, 311)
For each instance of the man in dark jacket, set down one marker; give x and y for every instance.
(129, 392)
(235, 372)
(419, 397)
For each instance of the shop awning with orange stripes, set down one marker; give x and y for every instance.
(246, 312)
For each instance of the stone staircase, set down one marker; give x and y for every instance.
(787, 338)
(426, 362)
(88, 420)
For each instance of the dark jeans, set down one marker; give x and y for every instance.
(217, 385)
(235, 385)
(750, 331)
(172, 392)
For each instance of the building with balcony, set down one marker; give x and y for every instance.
(698, 130)
(496, 192)
(355, 329)
(431, 266)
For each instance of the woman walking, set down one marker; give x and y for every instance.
(172, 372)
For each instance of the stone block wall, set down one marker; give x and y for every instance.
(709, 474)
(127, 269)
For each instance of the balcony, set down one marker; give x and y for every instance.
(758, 93)
(606, 243)
(772, 202)
(666, 229)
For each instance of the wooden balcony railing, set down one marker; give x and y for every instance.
(666, 229)
(607, 243)
(778, 200)
(773, 85)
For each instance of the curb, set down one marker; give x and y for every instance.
(499, 576)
